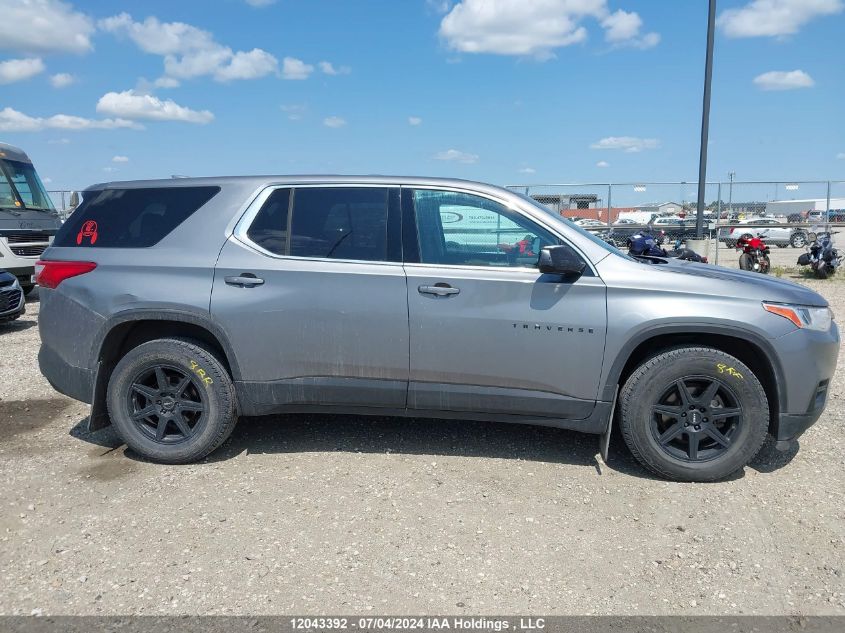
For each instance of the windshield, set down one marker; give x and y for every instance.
(591, 236)
(20, 187)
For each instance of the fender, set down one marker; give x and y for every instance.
(691, 327)
(99, 413)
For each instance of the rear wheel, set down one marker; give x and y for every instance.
(172, 401)
(798, 239)
(822, 271)
(694, 414)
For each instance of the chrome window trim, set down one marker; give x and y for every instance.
(508, 204)
(241, 228)
(252, 209)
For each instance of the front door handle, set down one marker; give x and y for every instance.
(244, 281)
(441, 290)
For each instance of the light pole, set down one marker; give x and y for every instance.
(705, 120)
(731, 175)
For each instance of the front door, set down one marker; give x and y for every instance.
(312, 296)
(489, 332)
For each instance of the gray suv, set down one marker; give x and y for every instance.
(173, 307)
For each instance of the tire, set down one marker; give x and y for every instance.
(190, 411)
(745, 262)
(821, 271)
(798, 240)
(655, 382)
(27, 290)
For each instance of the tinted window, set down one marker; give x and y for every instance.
(463, 229)
(340, 223)
(269, 230)
(131, 218)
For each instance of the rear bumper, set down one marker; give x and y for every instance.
(75, 382)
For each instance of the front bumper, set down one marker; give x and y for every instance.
(12, 303)
(808, 359)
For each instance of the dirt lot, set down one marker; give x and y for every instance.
(319, 514)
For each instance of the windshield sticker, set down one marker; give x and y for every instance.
(89, 230)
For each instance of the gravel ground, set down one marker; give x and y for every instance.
(320, 514)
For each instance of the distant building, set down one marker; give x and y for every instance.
(661, 208)
(789, 207)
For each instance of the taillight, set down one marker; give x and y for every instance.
(49, 274)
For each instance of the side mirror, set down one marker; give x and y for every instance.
(560, 260)
(74, 199)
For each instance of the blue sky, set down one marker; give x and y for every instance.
(503, 91)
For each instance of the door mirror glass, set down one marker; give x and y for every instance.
(561, 260)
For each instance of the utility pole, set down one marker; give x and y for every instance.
(731, 175)
(705, 121)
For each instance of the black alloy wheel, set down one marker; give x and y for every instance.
(696, 418)
(166, 404)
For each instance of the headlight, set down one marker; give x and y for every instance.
(805, 317)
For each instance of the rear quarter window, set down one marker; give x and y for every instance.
(131, 218)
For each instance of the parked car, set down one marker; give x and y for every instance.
(175, 306)
(12, 303)
(771, 232)
(831, 215)
(589, 222)
(28, 220)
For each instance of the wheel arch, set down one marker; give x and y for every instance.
(749, 348)
(128, 330)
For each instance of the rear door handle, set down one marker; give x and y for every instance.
(440, 291)
(244, 281)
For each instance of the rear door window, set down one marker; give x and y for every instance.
(340, 223)
(131, 218)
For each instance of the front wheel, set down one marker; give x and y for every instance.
(172, 401)
(694, 414)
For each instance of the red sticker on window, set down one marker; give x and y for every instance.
(89, 230)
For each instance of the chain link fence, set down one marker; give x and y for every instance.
(783, 213)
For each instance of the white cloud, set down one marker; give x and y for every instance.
(628, 144)
(44, 26)
(772, 18)
(527, 170)
(62, 80)
(783, 80)
(14, 121)
(840, 156)
(439, 6)
(414, 120)
(456, 156)
(602, 164)
(260, 3)
(295, 111)
(252, 65)
(59, 141)
(328, 69)
(293, 68)
(131, 105)
(334, 121)
(516, 27)
(622, 28)
(189, 51)
(120, 159)
(20, 69)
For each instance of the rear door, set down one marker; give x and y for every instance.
(311, 293)
(489, 332)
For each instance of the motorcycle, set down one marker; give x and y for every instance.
(821, 256)
(755, 254)
(648, 244)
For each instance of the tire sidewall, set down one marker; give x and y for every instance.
(652, 383)
(217, 396)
